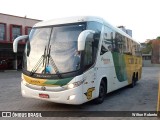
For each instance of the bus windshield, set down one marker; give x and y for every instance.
(53, 49)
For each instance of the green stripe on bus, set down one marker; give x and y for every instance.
(120, 66)
(59, 82)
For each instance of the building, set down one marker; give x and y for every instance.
(147, 60)
(152, 58)
(155, 52)
(10, 28)
(128, 31)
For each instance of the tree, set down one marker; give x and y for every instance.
(148, 48)
(158, 38)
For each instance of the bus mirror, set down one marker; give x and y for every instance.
(15, 42)
(83, 36)
(28, 47)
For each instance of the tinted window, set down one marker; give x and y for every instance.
(16, 31)
(2, 31)
(108, 41)
(97, 27)
(91, 47)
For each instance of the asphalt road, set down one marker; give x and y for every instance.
(143, 97)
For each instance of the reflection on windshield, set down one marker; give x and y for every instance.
(64, 50)
(38, 39)
(63, 40)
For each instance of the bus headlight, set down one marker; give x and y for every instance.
(75, 84)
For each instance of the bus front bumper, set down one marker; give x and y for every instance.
(69, 96)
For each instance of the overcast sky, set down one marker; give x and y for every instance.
(141, 16)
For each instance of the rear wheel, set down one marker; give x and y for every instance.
(102, 93)
(133, 82)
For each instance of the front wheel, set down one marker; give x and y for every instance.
(102, 93)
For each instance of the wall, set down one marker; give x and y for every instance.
(147, 63)
(6, 47)
(15, 20)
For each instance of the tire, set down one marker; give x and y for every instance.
(133, 82)
(102, 93)
(136, 77)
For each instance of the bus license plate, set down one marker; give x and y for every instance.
(43, 95)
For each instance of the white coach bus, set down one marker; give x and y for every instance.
(77, 59)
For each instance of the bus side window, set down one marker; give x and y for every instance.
(108, 41)
(103, 50)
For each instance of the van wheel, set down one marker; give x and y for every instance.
(102, 93)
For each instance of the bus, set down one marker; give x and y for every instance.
(77, 59)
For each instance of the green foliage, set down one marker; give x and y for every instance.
(158, 38)
(147, 49)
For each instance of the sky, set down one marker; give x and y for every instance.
(141, 16)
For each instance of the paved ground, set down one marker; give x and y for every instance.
(143, 97)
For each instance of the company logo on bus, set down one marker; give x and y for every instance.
(105, 60)
(44, 76)
(35, 82)
(43, 88)
(89, 93)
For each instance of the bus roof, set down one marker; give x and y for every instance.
(68, 20)
(77, 19)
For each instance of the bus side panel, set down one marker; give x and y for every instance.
(121, 71)
(129, 67)
(105, 68)
(133, 65)
(120, 66)
(111, 66)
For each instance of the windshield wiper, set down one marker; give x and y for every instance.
(40, 61)
(50, 59)
(45, 59)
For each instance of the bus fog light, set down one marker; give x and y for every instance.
(71, 97)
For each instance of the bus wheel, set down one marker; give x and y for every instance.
(102, 93)
(133, 82)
